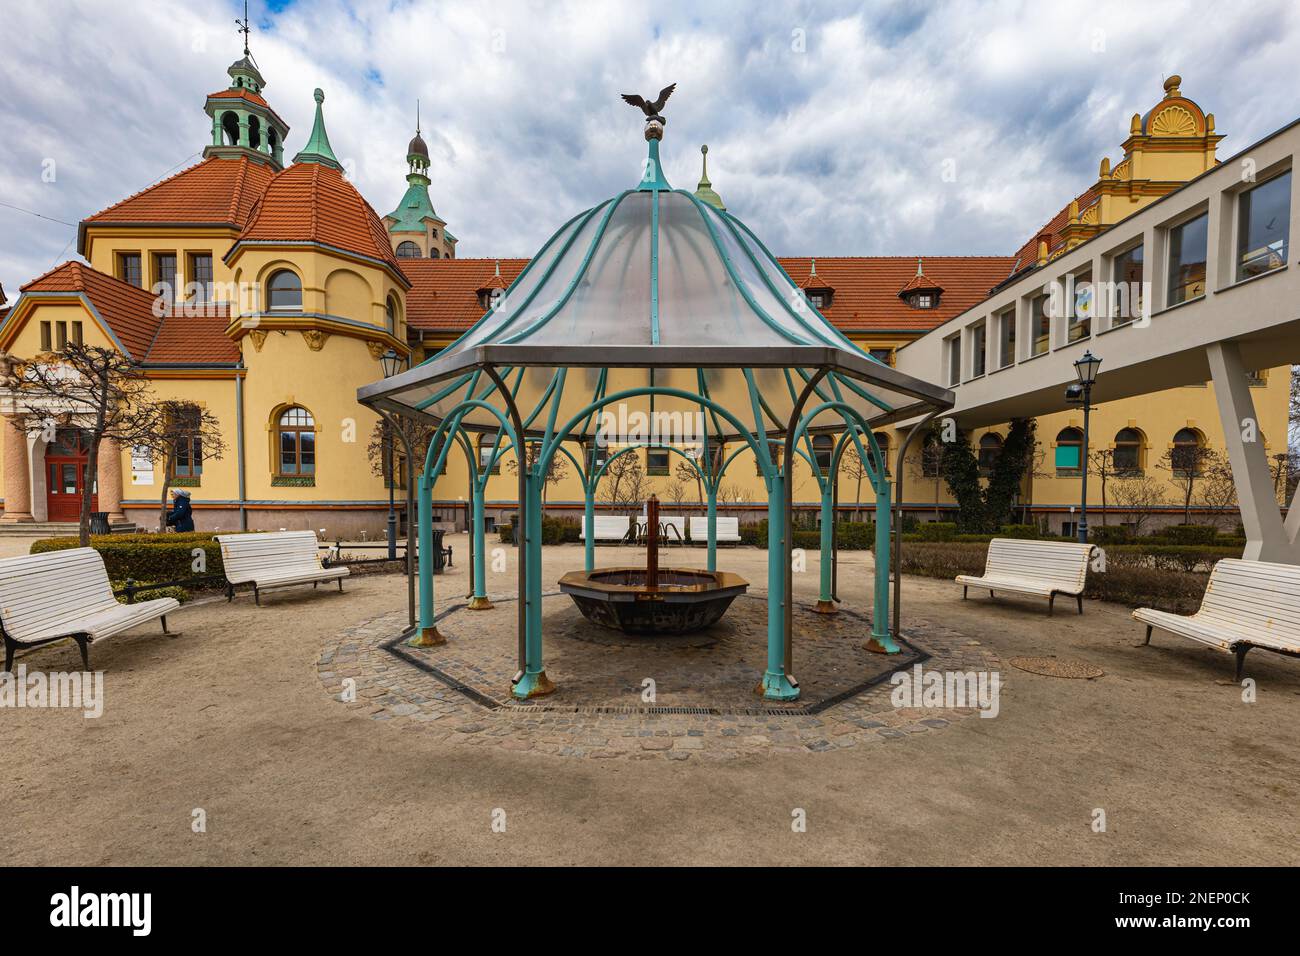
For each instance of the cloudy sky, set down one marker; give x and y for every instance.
(830, 125)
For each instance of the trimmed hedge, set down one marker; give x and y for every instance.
(554, 531)
(851, 536)
(146, 557)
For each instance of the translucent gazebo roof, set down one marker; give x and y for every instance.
(654, 288)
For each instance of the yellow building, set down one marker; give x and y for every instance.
(268, 294)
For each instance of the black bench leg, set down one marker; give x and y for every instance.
(257, 596)
(1241, 651)
(230, 593)
(84, 645)
(1080, 596)
(1148, 640)
(164, 624)
(1051, 603)
(340, 585)
(10, 646)
(963, 592)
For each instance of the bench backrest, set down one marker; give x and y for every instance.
(1254, 595)
(39, 592)
(1059, 563)
(609, 526)
(725, 527)
(245, 555)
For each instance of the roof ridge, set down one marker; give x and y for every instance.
(239, 188)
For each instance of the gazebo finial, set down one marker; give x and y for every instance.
(652, 175)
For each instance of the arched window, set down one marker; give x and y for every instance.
(1129, 454)
(823, 451)
(990, 451)
(296, 442)
(271, 139)
(1186, 454)
(1069, 453)
(433, 253)
(408, 250)
(230, 129)
(254, 132)
(284, 291)
(390, 314)
(882, 439)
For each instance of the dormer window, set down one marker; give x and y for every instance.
(924, 300)
(820, 298)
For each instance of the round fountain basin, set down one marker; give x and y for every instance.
(684, 599)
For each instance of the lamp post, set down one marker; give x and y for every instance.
(390, 363)
(1085, 370)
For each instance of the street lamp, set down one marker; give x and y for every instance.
(1085, 370)
(390, 363)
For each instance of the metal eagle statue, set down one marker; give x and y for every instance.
(648, 108)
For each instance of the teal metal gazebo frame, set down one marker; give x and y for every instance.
(655, 297)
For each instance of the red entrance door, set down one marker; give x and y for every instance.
(66, 459)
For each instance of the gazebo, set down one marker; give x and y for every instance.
(655, 307)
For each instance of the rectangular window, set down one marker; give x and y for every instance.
(1187, 245)
(61, 335)
(76, 333)
(1006, 338)
(189, 457)
(1068, 458)
(656, 462)
(1263, 224)
(47, 337)
(882, 355)
(1126, 274)
(978, 350)
(201, 275)
(486, 447)
(1040, 324)
(597, 453)
(1080, 321)
(164, 275)
(954, 360)
(128, 268)
(774, 453)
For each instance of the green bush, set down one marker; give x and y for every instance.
(180, 594)
(1018, 531)
(1189, 534)
(554, 530)
(1110, 534)
(146, 557)
(937, 531)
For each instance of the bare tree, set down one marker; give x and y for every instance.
(556, 471)
(1187, 466)
(624, 484)
(852, 467)
(175, 432)
(676, 492)
(733, 494)
(1137, 496)
(686, 474)
(98, 390)
(1217, 491)
(1102, 464)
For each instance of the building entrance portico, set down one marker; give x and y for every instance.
(65, 473)
(46, 467)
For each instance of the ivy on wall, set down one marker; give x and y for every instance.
(293, 481)
(985, 508)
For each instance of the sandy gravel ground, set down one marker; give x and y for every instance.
(231, 718)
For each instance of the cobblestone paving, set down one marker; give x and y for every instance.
(598, 711)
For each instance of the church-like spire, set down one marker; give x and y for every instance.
(704, 191)
(318, 148)
(243, 123)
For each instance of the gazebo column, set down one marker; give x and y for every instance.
(881, 642)
(825, 604)
(479, 602)
(713, 529)
(533, 682)
(776, 683)
(426, 633)
(589, 528)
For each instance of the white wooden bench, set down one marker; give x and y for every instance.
(727, 530)
(278, 559)
(1247, 604)
(606, 527)
(60, 594)
(1026, 566)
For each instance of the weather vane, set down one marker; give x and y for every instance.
(654, 124)
(244, 27)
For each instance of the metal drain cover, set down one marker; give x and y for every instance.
(1056, 667)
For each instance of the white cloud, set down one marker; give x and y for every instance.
(835, 149)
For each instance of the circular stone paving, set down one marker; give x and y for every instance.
(624, 696)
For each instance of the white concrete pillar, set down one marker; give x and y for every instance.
(1267, 539)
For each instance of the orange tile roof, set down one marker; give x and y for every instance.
(242, 94)
(216, 191)
(129, 314)
(184, 339)
(1027, 255)
(444, 292)
(312, 202)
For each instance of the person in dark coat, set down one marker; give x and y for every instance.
(182, 514)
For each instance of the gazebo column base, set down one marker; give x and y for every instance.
(777, 687)
(883, 645)
(426, 637)
(533, 685)
(478, 603)
(826, 607)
